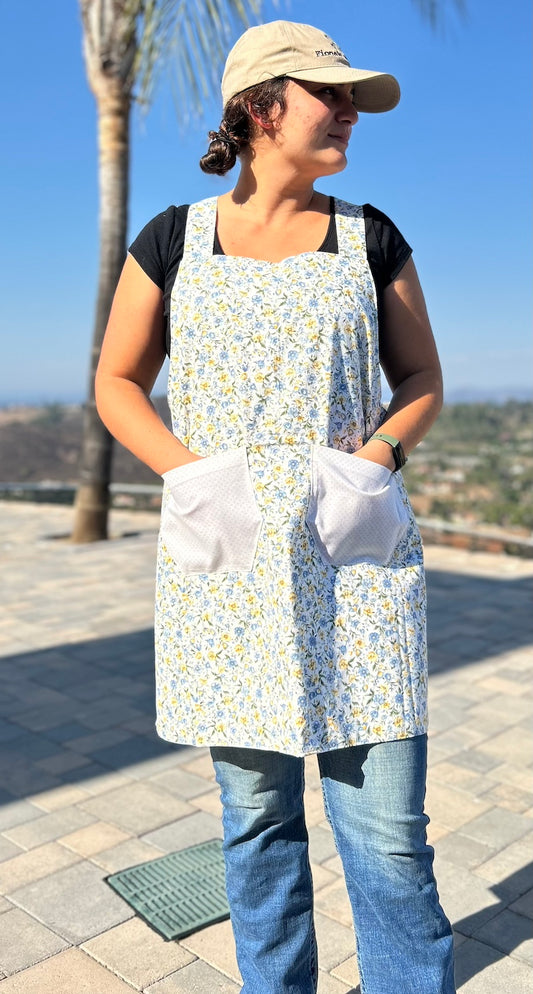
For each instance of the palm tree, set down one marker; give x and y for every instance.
(435, 11)
(125, 43)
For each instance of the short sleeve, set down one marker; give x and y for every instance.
(387, 249)
(158, 249)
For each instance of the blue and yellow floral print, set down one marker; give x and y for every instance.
(260, 640)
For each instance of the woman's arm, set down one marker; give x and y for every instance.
(410, 362)
(132, 355)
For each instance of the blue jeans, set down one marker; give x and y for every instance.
(374, 801)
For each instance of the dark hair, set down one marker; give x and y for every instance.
(238, 128)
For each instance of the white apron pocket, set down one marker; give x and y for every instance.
(211, 521)
(355, 511)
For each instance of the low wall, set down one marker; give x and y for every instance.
(436, 532)
(147, 497)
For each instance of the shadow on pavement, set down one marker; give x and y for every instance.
(75, 711)
(82, 709)
(498, 930)
(472, 618)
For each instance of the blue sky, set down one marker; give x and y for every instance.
(450, 165)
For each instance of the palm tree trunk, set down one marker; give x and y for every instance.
(92, 498)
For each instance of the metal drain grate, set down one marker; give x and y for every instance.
(179, 893)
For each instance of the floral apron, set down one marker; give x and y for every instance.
(290, 603)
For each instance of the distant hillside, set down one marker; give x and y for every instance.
(474, 467)
(43, 443)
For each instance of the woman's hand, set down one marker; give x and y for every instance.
(132, 355)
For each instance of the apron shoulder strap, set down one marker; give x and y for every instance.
(200, 228)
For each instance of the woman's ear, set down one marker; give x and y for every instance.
(262, 119)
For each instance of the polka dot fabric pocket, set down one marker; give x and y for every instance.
(355, 512)
(211, 522)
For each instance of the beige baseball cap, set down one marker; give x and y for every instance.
(284, 48)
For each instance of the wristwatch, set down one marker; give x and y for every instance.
(400, 457)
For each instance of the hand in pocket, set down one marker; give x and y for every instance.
(355, 511)
(211, 521)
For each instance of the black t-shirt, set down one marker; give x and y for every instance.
(159, 250)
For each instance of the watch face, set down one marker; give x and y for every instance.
(399, 455)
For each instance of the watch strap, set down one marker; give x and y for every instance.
(399, 455)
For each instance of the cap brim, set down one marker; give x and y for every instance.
(375, 92)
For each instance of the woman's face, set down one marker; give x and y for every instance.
(315, 129)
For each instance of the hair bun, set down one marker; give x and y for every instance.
(221, 155)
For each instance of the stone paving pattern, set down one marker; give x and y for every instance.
(87, 788)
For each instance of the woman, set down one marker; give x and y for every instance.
(290, 614)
